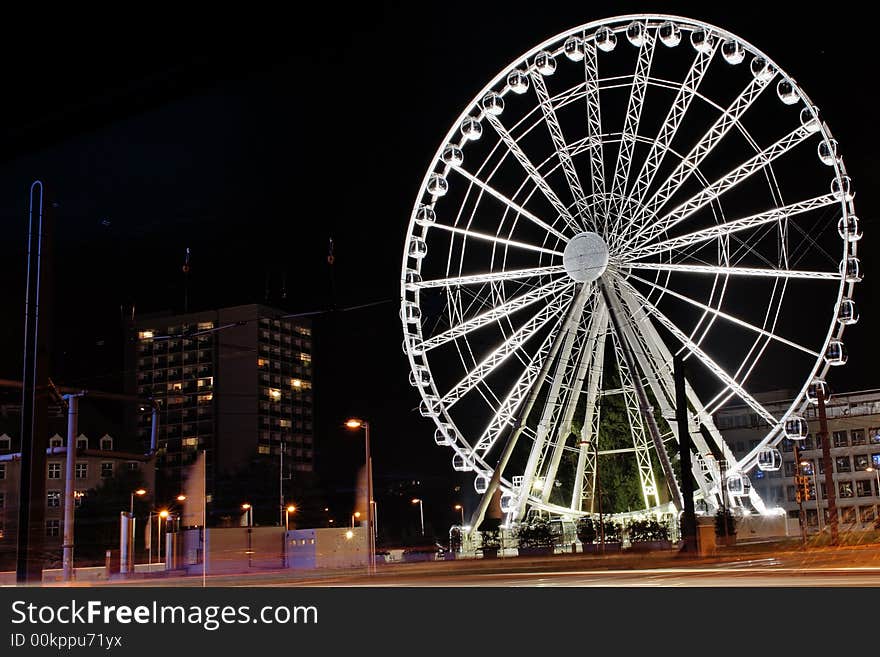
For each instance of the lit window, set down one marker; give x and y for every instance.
(53, 528)
(306, 358)
(262, 362)
(53, 498)
(191, 442)
(145, 335)
(78, 496)
(106, 470)
(302, 330)
(207, 397)
(54, 471)
(284, 423)
(175, 387)
(207, 381)
(263, 449)
(205, 326)
(82, 470)
(274, 394)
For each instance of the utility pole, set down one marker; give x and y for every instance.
(35, 394)
(72, 422)
(826, 463)
(688, 518)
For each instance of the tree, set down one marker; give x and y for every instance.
(536, 534)
(586, 530)
(96, 527)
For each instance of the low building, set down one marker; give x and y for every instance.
(854, 434)
(96, 461)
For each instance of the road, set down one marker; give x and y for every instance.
(744, 566)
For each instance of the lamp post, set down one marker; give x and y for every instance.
(290, 509)
(876, 472)
(459, 507)
(356, 514)
(418, 500)
(163, 514)
(353, 424)
(249, 511)
(140, 492)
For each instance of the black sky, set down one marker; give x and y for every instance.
(254, 138)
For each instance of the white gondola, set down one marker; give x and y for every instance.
(518, 81)
(544, 63)
(769, 459)
(411, 313)
(460, 463)
(430, 406)
(574, 48)
(733, 52)
(813, 391)
(670, 34)
(413, 277)
(481, 484)
(736, 485)
(444, 435)
(848, 228)
(471, 128)
(419, 376)
(851, 270)
(835, 353)
(508, 502)
(437, 185)
(425, 215)
(417, 248)
(796, 428)
(412, 345)
(847, 314)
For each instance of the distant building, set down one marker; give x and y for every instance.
(234, 382)
(96, 461)
(854, 431)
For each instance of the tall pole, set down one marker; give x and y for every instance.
(422, 516)
(598, 489)
(826, 462)
(688, 518)
(72, 420)
(34, 399)
(371, 565)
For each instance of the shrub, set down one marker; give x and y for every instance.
(612, 530)
(720, 517)
(647, 530)
(537, 533)
(586, 530)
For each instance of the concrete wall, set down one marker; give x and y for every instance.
(326, 548)
(239, 549)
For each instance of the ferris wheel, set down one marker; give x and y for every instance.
(631, 189)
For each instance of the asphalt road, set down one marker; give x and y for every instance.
(742, 566)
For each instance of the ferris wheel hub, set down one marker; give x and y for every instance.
(585, 257)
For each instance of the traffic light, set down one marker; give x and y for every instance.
(803, 488)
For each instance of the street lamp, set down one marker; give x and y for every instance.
(163, 515)
(876, 472)
(459, 507)
(139, 492)
(356, 514)
(249, 514)
(354, 424)
(290, 509)
(418, 500)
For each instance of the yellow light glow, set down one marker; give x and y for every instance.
(245, 506)
(357, 514)
(275, 394)
(140, 491)
(354, 423)
(457, 507)
(349, 534)
(181, 498)
(416, 500)
(291, 509)
(163, 513)
(296, 383)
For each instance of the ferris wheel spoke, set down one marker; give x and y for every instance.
(733, 226)
(701, 355)
(532, 171)
(497, 312)
(562, 148)
(729, 318)
(756, 163)
(720, 270)
(505, 414)
(686, 93)
(489, 277)
(584, 481)
(594, 121)
(522, 335)
(510, 204)
(550, 404)
(631, 126)
(466, 232)
(698, 153)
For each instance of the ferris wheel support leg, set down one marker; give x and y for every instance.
(653, 357)
(480, 512)
(564, 428)
(544, 424)
(586, 466)
(612, 301)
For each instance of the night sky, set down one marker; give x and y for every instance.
(255, 139)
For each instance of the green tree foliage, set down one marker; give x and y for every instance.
(647, 530)
(537, 533)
